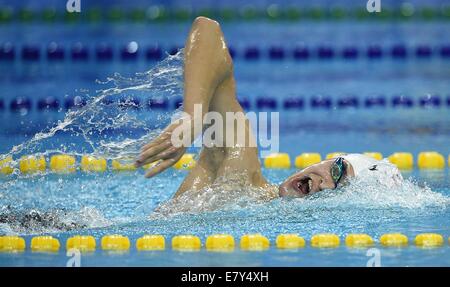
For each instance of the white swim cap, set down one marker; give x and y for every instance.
(367, 167)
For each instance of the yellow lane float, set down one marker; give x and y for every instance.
(254, 242)
(6, 165)
(32, 164)
(44, 244)
(430, 160)
(186, 243)
(277, 160)
(93, 164)
(12, 244)
(358, 240)
(115, 242)
(325, 240)
(429, 240)
(220, 242)
(394, 239)
(307, 159)
(151, 243)
(62, 163)
(289, 241)
(82, 243)
(403, 160)
(122, 165)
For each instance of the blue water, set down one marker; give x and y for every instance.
(121, 202)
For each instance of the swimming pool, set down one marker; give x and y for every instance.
(348, 86)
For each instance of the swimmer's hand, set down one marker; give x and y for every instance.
(162, 151)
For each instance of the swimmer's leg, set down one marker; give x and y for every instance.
(209, 82)
(207, 63)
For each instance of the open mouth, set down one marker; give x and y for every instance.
(303, 186)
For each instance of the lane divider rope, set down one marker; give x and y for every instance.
(216, 242)
(64, 164)
(22, 104)
(104, 52)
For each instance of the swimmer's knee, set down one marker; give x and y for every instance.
(207, 24)
(207, 27)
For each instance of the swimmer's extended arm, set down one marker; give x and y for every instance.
(207, 65)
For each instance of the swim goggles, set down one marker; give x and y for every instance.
(337, 170)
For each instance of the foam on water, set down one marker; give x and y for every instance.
(362, 194)
(103, 126)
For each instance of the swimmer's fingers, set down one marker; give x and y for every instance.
(157, 141)
(162, 166)
(151, 152)
(162, 155)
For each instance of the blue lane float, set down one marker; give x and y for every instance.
(276, 53)
(374, 52)
(55, 52)
(399, 52)
(321, 102)
(252, 53)
(402, 101)
(130, 51)
(7, 52)
(348, 102)
(325, 52)
(74, 102)
(350, 53)
(423, 51)
(19, 104)
(158, 104)
(301, 53)
(154, 53)
(293, 104)
(266, 103)
(375, 102)
(445, 51)
(104, 52)
(79, 52)
(48, 103)
(430, 101)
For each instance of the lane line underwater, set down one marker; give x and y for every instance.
(64, 164)
(216, 242)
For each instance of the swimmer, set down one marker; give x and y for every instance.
(209, 82)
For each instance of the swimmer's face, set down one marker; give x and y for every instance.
(313, 179)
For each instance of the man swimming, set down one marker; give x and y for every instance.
(209, 82)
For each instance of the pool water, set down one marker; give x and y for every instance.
(120, 203)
